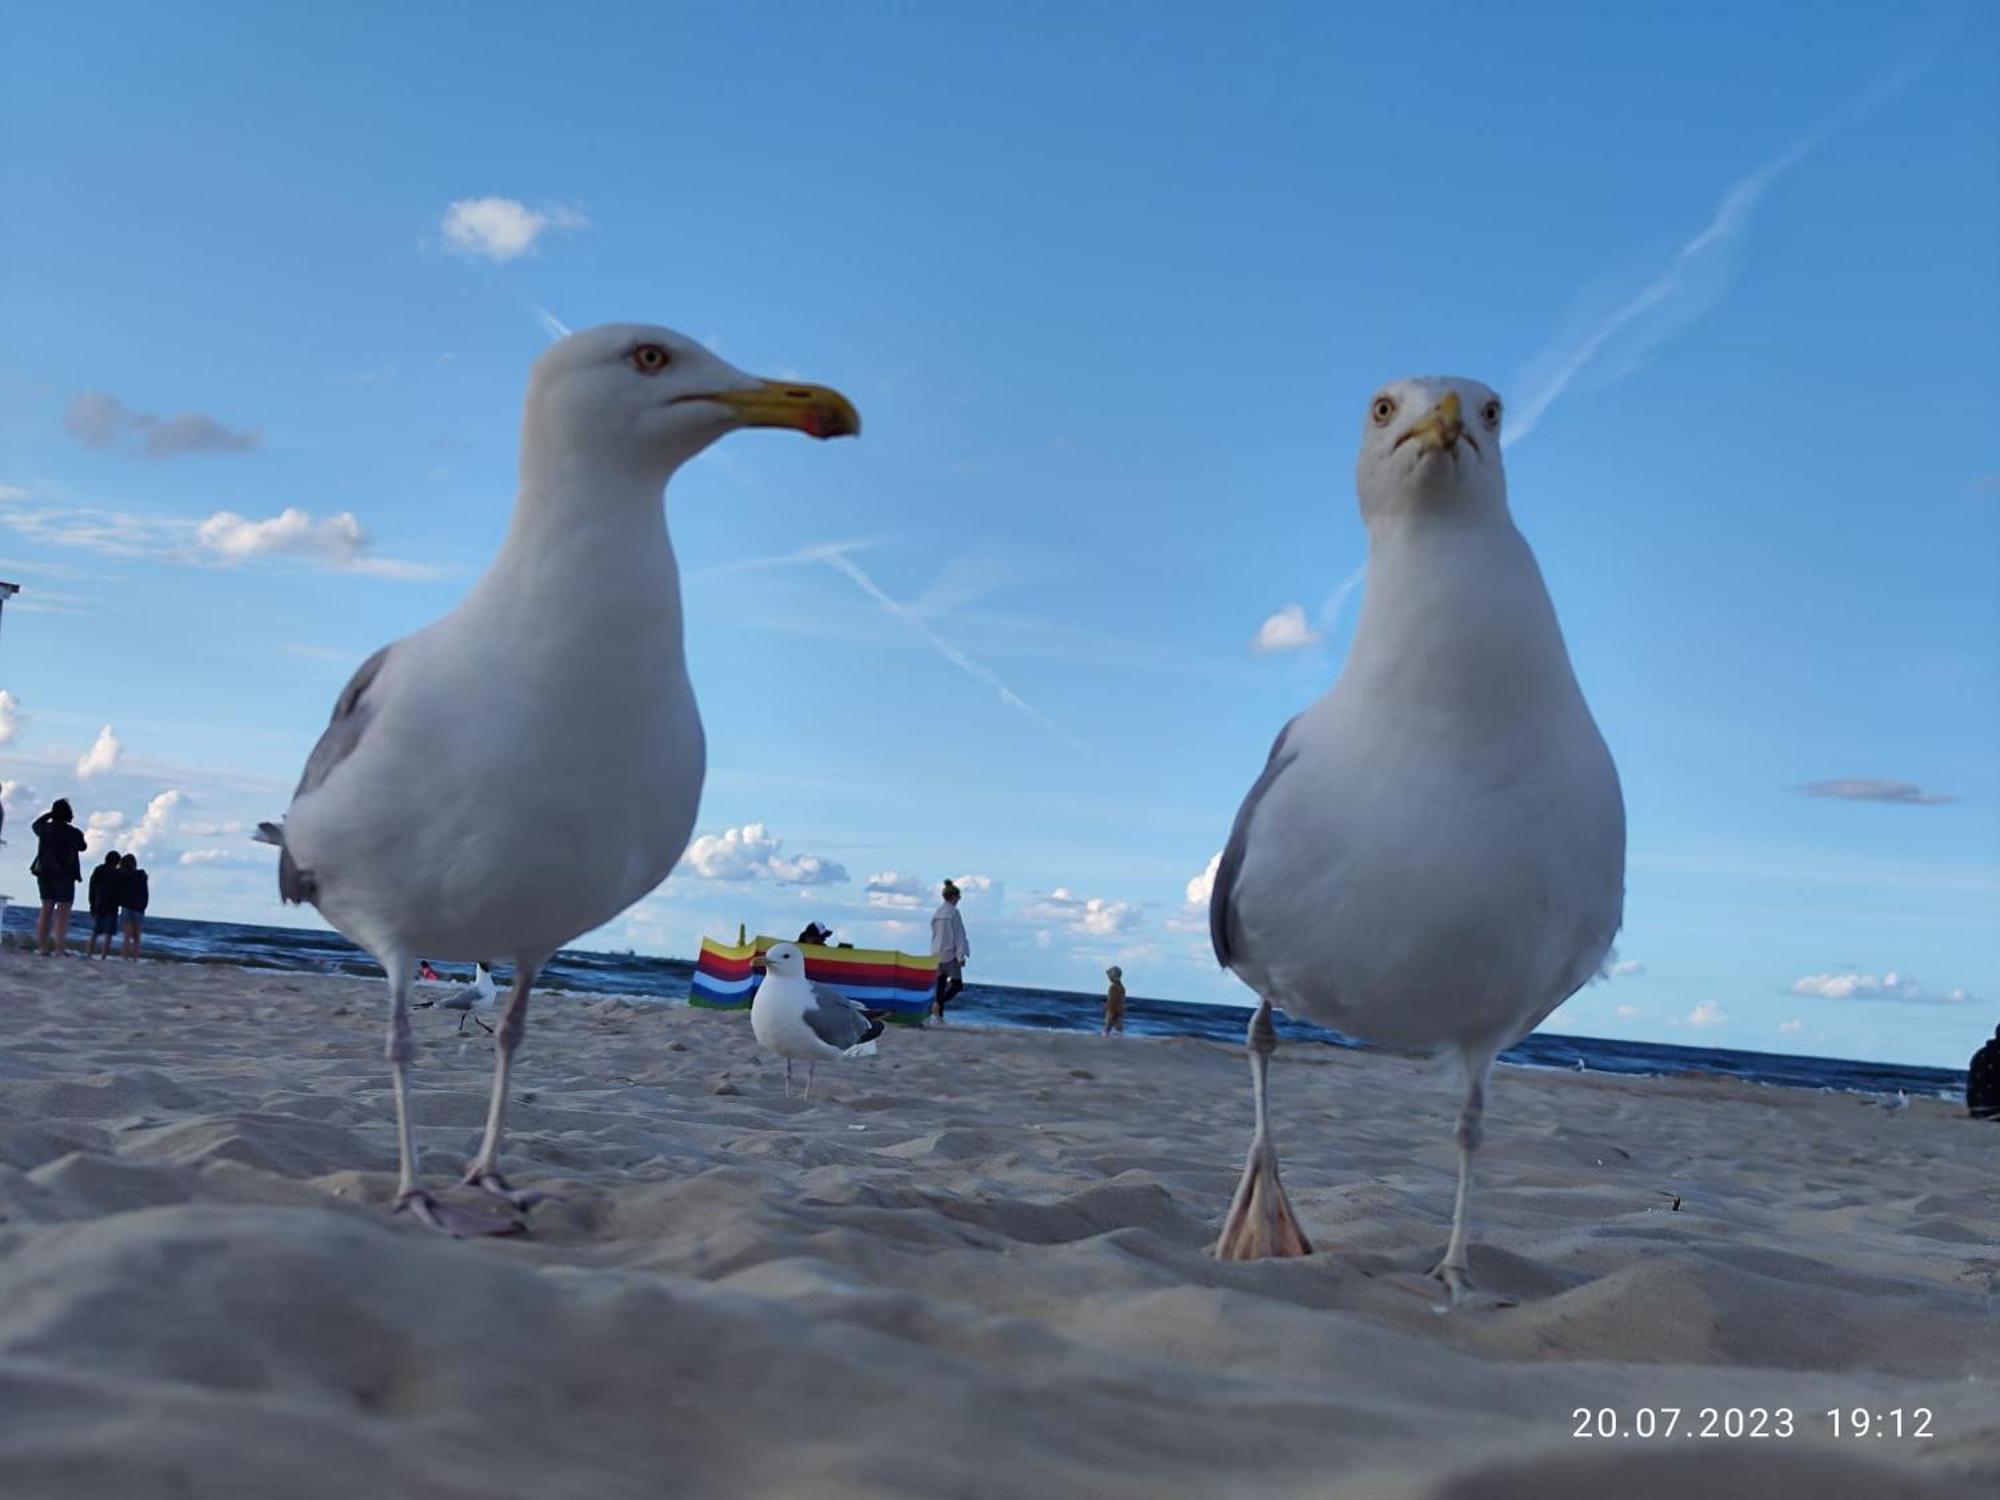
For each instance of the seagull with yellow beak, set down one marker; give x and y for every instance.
(1434, 855)
(524, 769)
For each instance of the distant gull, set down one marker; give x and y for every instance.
(527, 767)
(1434, 855)
(468, 999)
(801, 1019)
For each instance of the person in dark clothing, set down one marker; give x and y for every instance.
(103, 905)
(1982, 1081)
(56, 870)
(132, 898)
(816, 932)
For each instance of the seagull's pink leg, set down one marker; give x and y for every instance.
(1261, 1222)
(483, 1171)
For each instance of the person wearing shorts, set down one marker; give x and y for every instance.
(56, 870)
(132, 898)
(104, 905)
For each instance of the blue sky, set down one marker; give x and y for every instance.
(1111, 291)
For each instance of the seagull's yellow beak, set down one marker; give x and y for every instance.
(817, 410)
(1441, 427)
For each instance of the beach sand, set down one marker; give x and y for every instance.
(975, 1265)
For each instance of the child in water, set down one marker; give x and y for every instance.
(1114, 1001)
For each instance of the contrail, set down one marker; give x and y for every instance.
(1705, 251)
(552, 325)
(840, 562)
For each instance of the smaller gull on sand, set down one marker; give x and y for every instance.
(468, 999)
(803, 1020)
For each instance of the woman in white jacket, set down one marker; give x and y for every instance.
(951, 950)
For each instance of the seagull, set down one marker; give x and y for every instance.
(418, 829)
(1434, 855)
(468, 999)
(801, 1019)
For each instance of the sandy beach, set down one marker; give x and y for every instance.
(974, 1265)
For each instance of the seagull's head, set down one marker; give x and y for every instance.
(1431, 442)
(654, 398)
(784, 960)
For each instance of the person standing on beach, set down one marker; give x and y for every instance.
(103, 905)
(132, 898)
(1982, 1081)
(56, 870)
(949, 946)
(1114, 1001)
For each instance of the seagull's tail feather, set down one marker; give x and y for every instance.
(864, 1048)
(269, 833)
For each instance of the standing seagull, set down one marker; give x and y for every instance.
(800, 1018)
(468, 999)
(1434, 855)
(417, 828)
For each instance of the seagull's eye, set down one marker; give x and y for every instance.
(649, 359)
(1383, 409)
(1490, 414)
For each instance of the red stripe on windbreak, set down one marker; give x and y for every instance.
(723, 968)
(834, 971)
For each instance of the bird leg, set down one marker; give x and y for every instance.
(1458, 1290)
(812, 1072)
(788, 1078)
(482, 1171)
(1261, 1222)
(418, 1201)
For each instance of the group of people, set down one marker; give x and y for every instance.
(118, 891)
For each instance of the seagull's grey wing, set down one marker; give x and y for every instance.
(837, 1020)
(351, 713)
(1221, 935)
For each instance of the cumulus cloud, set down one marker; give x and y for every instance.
(1625, 968)
(1708, 1013)
(1889, 985)
(1091, 916)
(98, 419)
(247, 855)
(1286, 630)
(1870, 789)
(111, 829)
(224, 539)
(751, 853)
(1193, 916)
(893, 890)
(502, 229)
(102, 756)
(1626, 1012)
(1793, 1025)
(10, 717)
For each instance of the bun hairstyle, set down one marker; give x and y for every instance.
(950, 891)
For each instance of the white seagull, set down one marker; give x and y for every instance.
(469, 1000)
(1434, 856)
(801, 1019)
(417, 828)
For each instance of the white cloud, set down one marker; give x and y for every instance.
(1091, 916)
(1872, 789)
(1793, 1025)
(1193, 917)
(896, 891)
(503, 229)
(10, 717)
(1888, 985)
(1625, 968)
(1626, 1012)
(98, 419)
(224, 539)
(111, 829)
(246, 855)
(1287, 630)
(102, 756)
(751, 852)
(1708, 1013)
